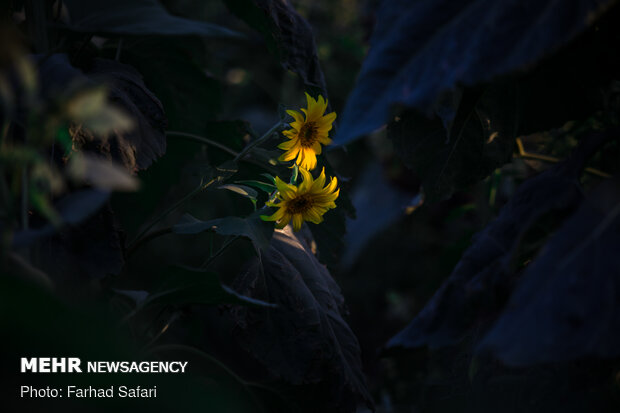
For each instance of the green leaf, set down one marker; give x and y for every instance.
(566, 306)
(306, 339)
(193, 286)
(263, 186)
(287, 35)
(136, 17)
(422, 49)
(252, 227)
(270, 177)
(191, 101)
(294, 174)
(481, 139)
(242, 190)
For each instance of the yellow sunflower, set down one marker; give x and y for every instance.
(306, 202)
(307, 135)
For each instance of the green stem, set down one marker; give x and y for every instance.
(258, 141)
(204, 140)
(219, 252)
(137, 240)
(149, 237)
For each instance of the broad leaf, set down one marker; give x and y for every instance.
(242, 190)
(252, 227)
(135, 17)
(566, 305)
(136, 145)
(263, 186)
(422, 49)
(286, 33)
(305, 339)
(479, 139)
(139, 147)
(185, 286)
(483, 275)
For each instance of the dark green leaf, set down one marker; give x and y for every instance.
(251, 227)
(481, 140)
(242, 190)
(475, 286)
(305, 339)
(286, 33)
(421, 49)
(138, 17)
(263, 186)
(566, 304)
(189, 286)
(139, 147)
(476, 290)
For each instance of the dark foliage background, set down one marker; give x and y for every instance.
(471, 265)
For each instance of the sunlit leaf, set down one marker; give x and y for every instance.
(263, 186)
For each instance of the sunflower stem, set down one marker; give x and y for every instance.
(138, 239)
(258, 141)
(203, 140)
(294, 174)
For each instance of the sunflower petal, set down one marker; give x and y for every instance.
(307, 182)
(332, 185)
(286, 190)
(296, 115)
(287, 145)
(325, 140)
(309, 161)
(313, 216)
(317, 186)
(289, 155)
(297, 222)
(316, 147)
(327, 119)
(284, 222)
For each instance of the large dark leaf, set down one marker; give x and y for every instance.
(138, 148)
(421, 49)
(286, 33)
(478, 139)
(252, 227)
(372, 217)
(185, 286)
(135, 17)
(480, 283)
(305, 339)
(191, 101)
(566, 305)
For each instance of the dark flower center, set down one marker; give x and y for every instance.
(299, 204)
(307, 134)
